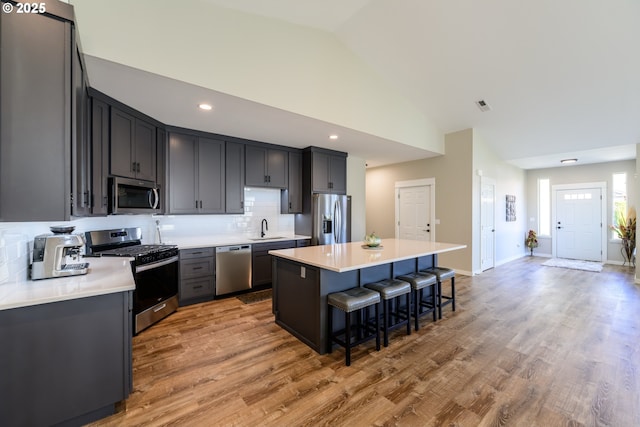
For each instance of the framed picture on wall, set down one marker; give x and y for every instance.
(511, 208)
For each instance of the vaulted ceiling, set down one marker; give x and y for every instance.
(561, 78)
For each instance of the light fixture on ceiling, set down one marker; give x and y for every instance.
(333, 136)
(206, 107)
(567, 161)
(482, 105)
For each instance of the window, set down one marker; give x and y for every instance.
(544, 207)
(619, 199)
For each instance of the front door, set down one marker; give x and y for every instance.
(579, 223)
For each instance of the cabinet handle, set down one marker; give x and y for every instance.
(138, 167)
(133, 166)
(197, 287)
(197, 268)
(200, 204)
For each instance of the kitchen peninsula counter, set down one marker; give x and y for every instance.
(303, 277)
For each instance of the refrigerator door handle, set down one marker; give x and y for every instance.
(337, 217)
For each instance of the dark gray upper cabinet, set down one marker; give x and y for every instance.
(265, 167)
(329, 172)
(196, 174)
(100, 157)
(81, 141)
(291, 198)
(36, 59)
(211, 176)
(133, 146)
(234, 166)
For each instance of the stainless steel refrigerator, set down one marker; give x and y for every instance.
(331, 219)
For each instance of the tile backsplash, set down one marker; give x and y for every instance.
(16, 239)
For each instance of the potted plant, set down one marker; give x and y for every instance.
(625, 228)
(531, 241)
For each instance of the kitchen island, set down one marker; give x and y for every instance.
(303, 277)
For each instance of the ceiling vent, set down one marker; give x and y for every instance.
(482, 105)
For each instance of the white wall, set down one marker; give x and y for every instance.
(510, 180)
(356, 187)
(261, 59)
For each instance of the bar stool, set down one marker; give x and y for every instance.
(442, 274)
(419, 281)
(350, 301)
(389, 290)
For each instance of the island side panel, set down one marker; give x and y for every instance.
(300, 299)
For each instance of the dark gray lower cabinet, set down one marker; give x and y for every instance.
(65, 362)
(197, 275)
(261, 260)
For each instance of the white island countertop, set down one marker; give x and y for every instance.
(106, 275)
(344, 257)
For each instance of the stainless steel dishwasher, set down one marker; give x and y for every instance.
(233, 269)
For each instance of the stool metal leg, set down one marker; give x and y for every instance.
(377, 311)
(417, 296)
(347, 336)
(453, 294)
(330, 329)
(385, 321)
(409, 313)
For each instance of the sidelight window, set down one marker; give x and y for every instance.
(620, 205)
(544, 207)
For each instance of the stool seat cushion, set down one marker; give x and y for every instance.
(443, 273)
(353, 299)
(419, 280)
(390, 288)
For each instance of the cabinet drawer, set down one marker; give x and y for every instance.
(196, 267)
(196, 288)
(196, 253)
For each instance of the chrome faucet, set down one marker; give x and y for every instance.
(264, 225)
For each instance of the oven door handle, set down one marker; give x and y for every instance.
(145, 267)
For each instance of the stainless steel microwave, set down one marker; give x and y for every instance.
(131, 196)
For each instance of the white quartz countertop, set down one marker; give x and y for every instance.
(106, 275)
(352, 256)
(211, 241)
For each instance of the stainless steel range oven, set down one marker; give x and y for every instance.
(155, 269)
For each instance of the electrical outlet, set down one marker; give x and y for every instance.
(303, 272)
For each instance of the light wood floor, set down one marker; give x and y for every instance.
(528, 346)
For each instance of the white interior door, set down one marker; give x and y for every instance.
(578, 223)
(488, 223)
(414, 212)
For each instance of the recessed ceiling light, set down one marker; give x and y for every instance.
(334, 136)
(205, 107)
(565, 161)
